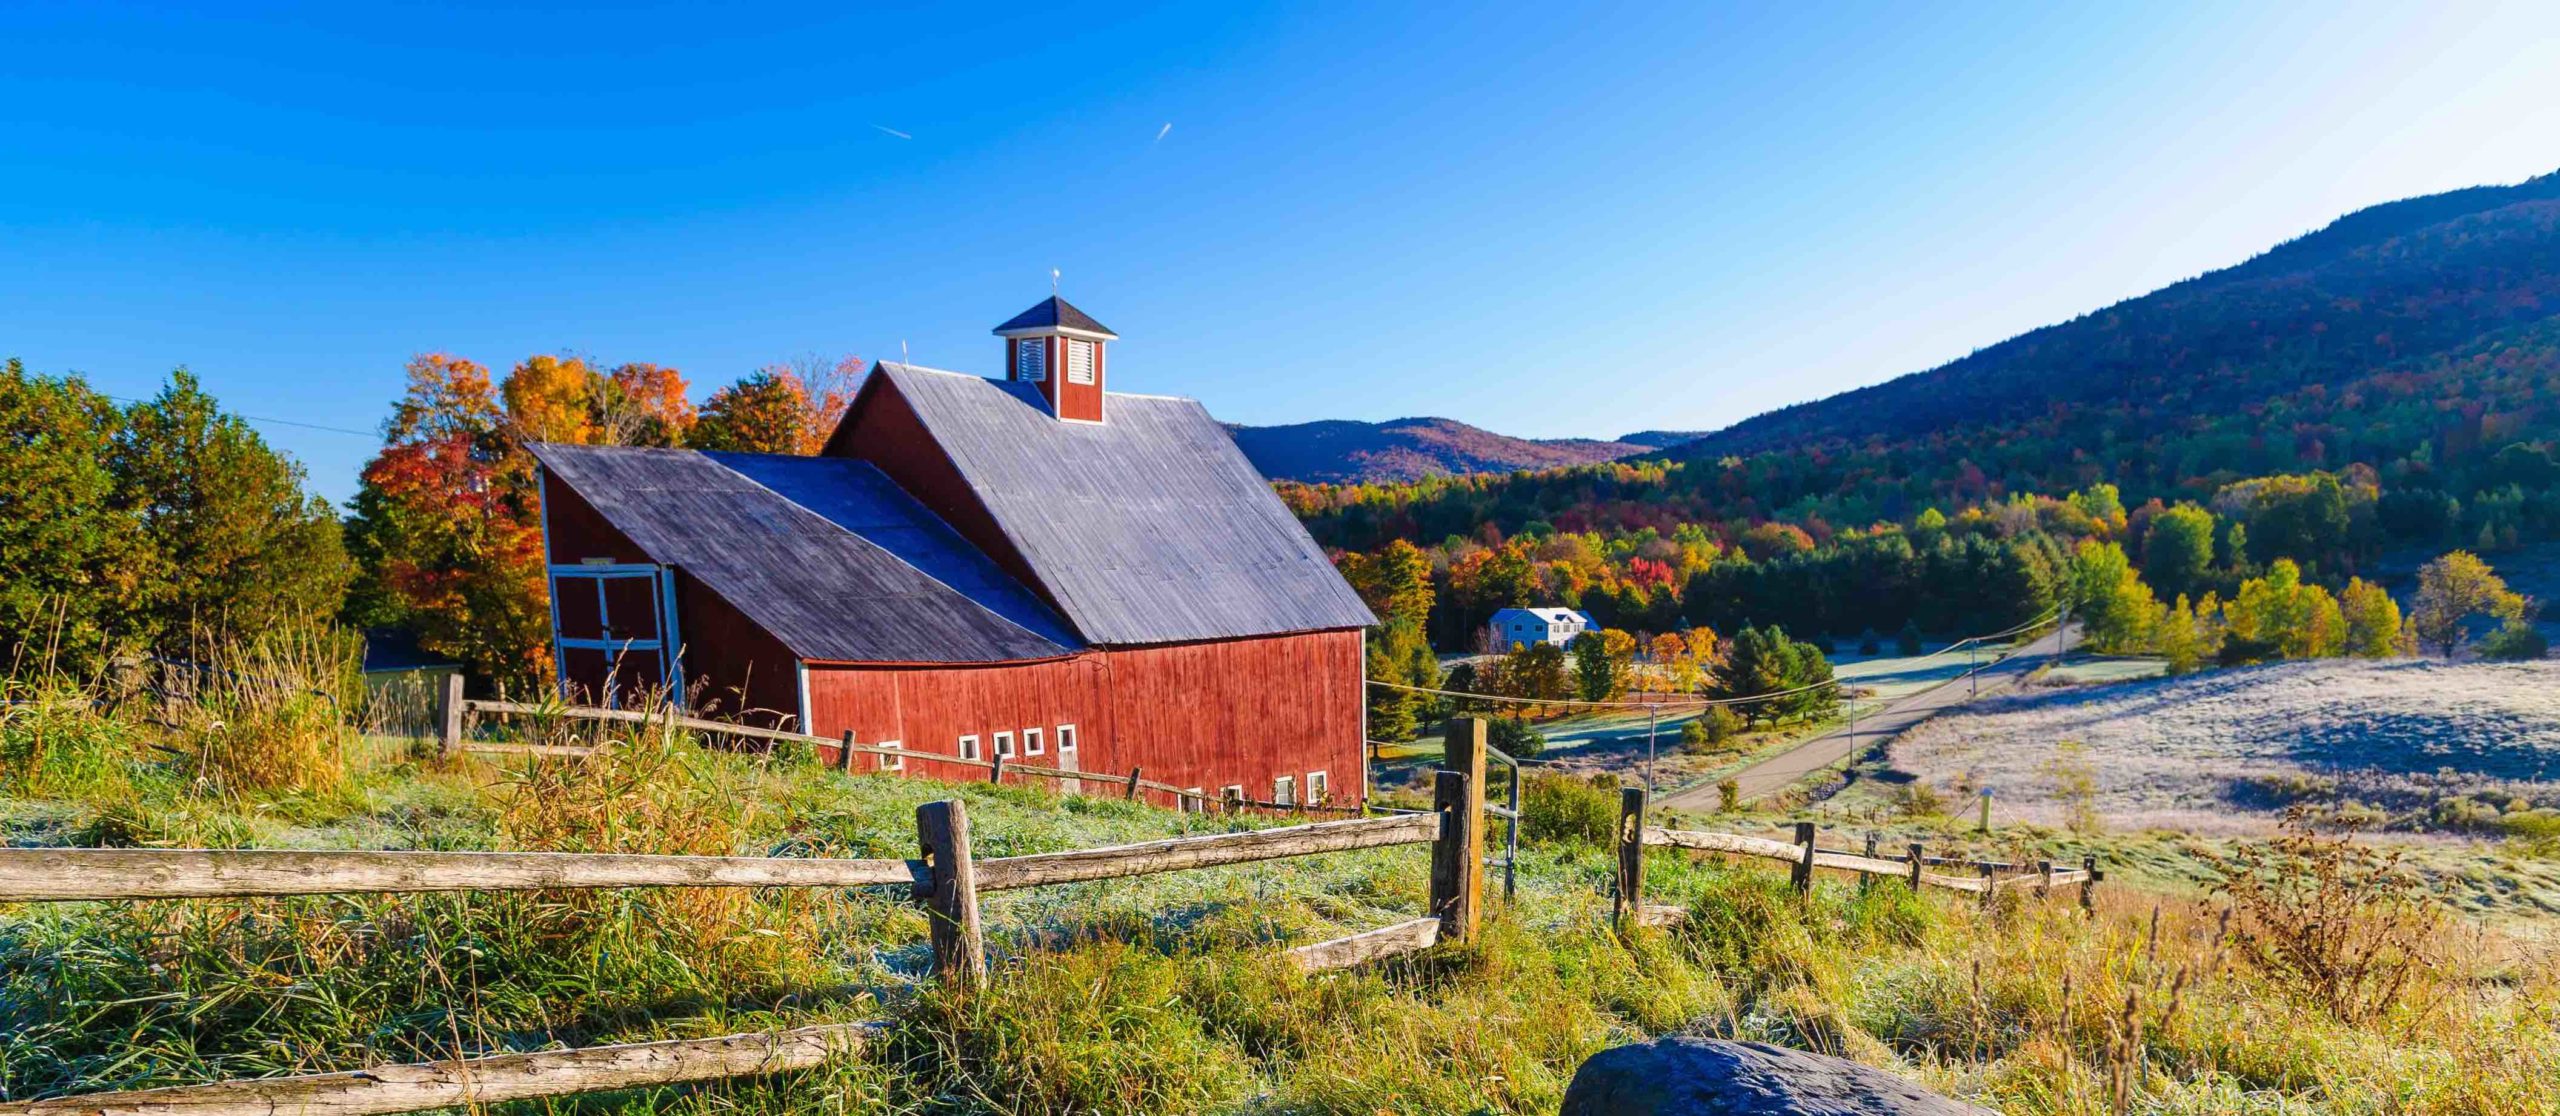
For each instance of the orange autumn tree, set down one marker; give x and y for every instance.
(788, 407)
(447, 527)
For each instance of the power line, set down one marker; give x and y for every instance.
(275, 421)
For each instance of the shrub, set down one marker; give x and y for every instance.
(1556, 808)
(1722, 723)
(1917, 799)
(1870, 643)
(1729, 795)
(1517, 738)
(2345, 926)
(2075, 782)
(1694, 736)
(1907, 641)
(2515, 641)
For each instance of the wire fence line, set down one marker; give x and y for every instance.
(1701, 702)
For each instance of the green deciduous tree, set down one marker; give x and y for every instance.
(2177, 550)
(2113, 605)
(2374, 627)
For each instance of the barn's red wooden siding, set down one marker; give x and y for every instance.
(1241, 711)
(1081, 402)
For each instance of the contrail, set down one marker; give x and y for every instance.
(1161, 132)
(903, 135)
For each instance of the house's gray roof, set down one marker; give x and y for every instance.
(825, 553)
(1054, 311)
(1149, 527)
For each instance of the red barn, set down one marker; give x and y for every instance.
(1030, 567)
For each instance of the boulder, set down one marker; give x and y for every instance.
(1681, 1076)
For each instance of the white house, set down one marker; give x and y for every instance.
(1520, 626)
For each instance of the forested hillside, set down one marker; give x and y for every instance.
(2388, 381)
(1345, 451)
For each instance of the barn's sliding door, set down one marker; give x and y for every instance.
(613, 633)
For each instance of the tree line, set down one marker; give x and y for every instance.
(151, 529)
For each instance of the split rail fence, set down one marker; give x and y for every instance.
(946, 879)
(1804, 855)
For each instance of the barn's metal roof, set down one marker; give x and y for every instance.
(1054, 312)
(827, 554)
(1149, 527)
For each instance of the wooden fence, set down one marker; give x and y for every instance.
(1804, 856)
(946, 880)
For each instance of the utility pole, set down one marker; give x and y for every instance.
(1652, 721)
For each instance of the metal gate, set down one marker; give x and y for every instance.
(613, 634)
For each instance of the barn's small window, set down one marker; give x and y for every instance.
(1066, 742)
(892, 763)
(1195, 801)
(1031, 360)
(1079, 362)
(1284, 791)
(1032, 744)
(1004, 745)
(1315, 788)
(969, 747)
(1231, 794)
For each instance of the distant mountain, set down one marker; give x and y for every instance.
(2387, 286)
(1663, 439)
(1342, 451)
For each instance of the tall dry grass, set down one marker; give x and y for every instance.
(269, 710)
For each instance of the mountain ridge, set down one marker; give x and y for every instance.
(1350, 451)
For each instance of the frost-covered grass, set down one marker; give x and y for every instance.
(2225, 751)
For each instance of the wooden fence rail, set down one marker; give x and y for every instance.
(474, 1081)
(1803, 856)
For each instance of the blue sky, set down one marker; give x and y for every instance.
(1544, 219)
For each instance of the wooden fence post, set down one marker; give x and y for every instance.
(1133, 782)
(844, 759)
(2088, 885)
(995, 774)
(449, 715)
(1804, 865)
(1231, 801)
(1990, 883)
(2044, 884)
(1866, 881)
(1457, 859)
(951, 898)
(1629, 906)
(1463, 751)
(1917, 859)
